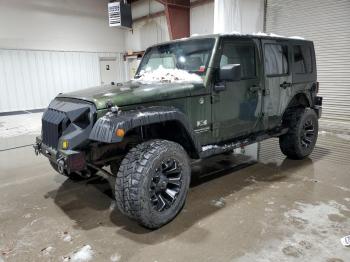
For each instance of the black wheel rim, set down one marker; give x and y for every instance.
(165, 185)
(308, 134)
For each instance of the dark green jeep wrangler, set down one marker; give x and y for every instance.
(190, 99)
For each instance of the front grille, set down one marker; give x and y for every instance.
(53, 123)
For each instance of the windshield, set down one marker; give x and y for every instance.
(192, 56)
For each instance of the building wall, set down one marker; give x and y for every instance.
(53, 46)
(252, 18)
(329, 29)
(30, 79)
(74, 25)
(147, 32)
(202, 19)
(244, 16)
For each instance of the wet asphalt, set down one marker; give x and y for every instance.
(273, 209)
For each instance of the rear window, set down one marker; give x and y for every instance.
(276, 59)
(302, 59)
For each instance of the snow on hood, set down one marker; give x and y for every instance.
(168, 75)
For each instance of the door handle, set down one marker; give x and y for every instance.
(285, 84)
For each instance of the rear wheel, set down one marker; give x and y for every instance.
(152, 182)
(301, 138)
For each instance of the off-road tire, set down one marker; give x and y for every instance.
(115, 165)
(293, 143)
(135, 180)
(73, 176)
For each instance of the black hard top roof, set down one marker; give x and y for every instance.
(239, 35)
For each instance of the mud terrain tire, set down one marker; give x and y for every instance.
(301, 138)
(152, 182)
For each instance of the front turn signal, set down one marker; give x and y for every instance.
(120, 132)
(65, 144)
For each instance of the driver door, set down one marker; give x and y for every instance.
(237, 108)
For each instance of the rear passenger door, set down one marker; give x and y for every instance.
(278, 80)
(304, 66)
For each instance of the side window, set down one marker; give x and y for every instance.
(235, 53)
(302, 59)
(276, 59)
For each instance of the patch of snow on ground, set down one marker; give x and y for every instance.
(219, 203)
(17, 125)
(47, 251)
(168, 75)
(343, 188)
(113, 205)
(27, 215)
(322, 132)
(83, 254)
(344, 136)
(314, 231)
(67, 238)
(115, 257)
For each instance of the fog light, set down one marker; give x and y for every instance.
(120, 132)
(64, 144)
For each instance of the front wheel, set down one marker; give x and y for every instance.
(152, 182)
(300, 140)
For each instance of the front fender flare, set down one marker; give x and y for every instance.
(105, 127)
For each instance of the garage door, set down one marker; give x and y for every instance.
(327, 23)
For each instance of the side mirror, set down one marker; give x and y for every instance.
(230, 72)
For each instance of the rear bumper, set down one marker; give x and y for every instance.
(66, 160)
(318, 110)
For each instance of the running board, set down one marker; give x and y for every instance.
(216, 149)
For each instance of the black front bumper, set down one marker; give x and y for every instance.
(66, 160)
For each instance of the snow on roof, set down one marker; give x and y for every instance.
(275, 35)
(261, 34)
(167, 75)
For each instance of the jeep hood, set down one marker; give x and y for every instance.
(132, 93)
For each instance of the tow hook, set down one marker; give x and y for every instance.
(60, 165)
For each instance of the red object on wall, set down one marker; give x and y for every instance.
(177, 13)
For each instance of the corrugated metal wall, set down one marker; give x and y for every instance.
(327, 23)
(30, 79)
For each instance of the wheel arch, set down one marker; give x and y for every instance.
(172, 130)
(298, 100)
(152, 122)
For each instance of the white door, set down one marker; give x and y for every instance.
(108, 69)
